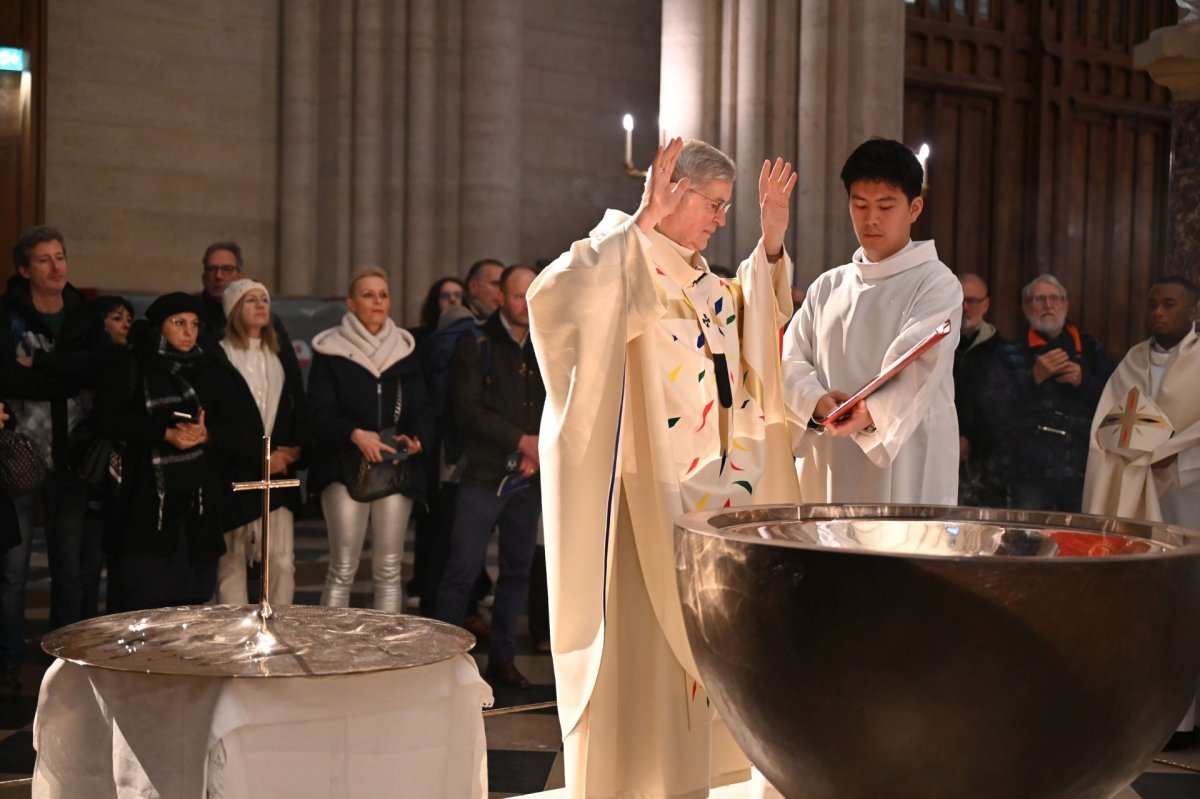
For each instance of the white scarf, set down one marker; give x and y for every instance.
(375, 353)
(263, 373)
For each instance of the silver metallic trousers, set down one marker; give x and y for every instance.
(347, 521)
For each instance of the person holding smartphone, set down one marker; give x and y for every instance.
(366, 378)
(169, 402)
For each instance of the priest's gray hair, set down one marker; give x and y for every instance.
(702, 163)
(1027, 292)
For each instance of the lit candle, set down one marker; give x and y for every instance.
(922, 157)
(628, 123)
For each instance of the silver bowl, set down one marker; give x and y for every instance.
(925, 651)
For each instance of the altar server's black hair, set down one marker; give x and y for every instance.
(885, 161)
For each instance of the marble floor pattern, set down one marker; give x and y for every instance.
(524, 752)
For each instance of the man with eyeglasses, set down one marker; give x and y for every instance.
(222, 265)
(1040, 396)
(979, 481)
(663, 396)
(49, 343)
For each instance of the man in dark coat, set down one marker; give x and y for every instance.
(980, 477)
(49, 340)
(1041, 395)
(498, 396)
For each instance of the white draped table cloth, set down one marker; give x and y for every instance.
(415, 732)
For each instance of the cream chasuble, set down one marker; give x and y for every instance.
(633, 434)
(855, 319)
(1126, 483)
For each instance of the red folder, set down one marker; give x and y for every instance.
(891, 370)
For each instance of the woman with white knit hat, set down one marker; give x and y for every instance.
(273, 377)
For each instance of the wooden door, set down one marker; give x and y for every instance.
(1049, 151)
(22, 25)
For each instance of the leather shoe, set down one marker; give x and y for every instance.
(477, 627)
(504, 672)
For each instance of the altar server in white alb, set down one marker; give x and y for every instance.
(664, 395)
(1144, 459)
(901, 443)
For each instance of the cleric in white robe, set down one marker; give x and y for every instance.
(663, 396)
(1144, 459)
(900, 445)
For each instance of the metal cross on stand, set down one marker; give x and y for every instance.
(265, 485)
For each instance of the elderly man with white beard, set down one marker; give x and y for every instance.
(1041, 393)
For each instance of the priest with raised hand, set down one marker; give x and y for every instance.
(1144, 455)
(664, 395)
(899, 445)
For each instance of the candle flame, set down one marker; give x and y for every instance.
(627, 122)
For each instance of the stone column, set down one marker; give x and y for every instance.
(491, 130)
(1172, 56)
(734, 74)
(420, 148)
(371, 158)
(298, 148)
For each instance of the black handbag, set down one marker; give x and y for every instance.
(366, 481)
(22, 467)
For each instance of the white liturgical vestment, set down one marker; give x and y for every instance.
(627, 329)
(1127, 484)
(855, 320)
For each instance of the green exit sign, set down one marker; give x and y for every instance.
(12, 59)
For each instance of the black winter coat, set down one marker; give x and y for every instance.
(132, 524)
(57, 375)
(241, 460)
(343, 396)
(497, 403)
(1042, 430)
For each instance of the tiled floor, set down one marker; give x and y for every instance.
(524, 755)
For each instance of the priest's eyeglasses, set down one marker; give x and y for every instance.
(1046, 299)
(715, 205)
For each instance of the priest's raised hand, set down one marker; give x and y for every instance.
(661, 197)
(775, 184)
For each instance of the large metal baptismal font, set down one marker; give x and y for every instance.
(860, 652)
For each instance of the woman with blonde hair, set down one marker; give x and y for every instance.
(366, 379)
(272, 375)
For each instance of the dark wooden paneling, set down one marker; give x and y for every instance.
(22, 128)
(1050, 151)
(12, 23)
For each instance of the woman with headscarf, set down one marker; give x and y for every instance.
(272, 376)
(168, 403)
(365, 377)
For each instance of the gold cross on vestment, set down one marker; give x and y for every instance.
(1129, 419)
(265, 485)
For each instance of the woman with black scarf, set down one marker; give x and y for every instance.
(166, 402)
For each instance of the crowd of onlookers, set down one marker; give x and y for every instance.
(137, 429)
(140, 426)
(1025, 406)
